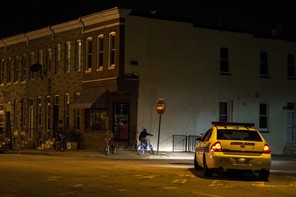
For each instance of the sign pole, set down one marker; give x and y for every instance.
(160, 108)
(158, 132)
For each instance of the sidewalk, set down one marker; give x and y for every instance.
(120, 154)
(124, 154)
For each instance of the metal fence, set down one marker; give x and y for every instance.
(184, 143)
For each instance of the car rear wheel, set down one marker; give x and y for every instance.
(263, 175)
(206, 171)
(196, 166)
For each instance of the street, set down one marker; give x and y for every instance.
(91, 175)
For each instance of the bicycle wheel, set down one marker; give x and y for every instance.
(114, 150)
(151, 150)
(140, 150)
(62, 147)
(107, 150)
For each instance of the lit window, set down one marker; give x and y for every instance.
(78, 55)
(100, 52)
(89, 54)
(57, 58)
(67, 57)
(112, 49)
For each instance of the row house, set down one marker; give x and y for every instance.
(108, 69)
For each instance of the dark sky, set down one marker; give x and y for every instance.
(19, 16)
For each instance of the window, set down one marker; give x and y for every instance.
(16, 69)
(24, 115)
(31, 116)
(224, 61)
(24, 68)
(48, 62)
(100, 52)
(88, 54)
(57, 58)
(40, 61)
(76, 114)
(67, 57)
(263, 117)
(2, 71)
(225, 111)
(67, 111)
(264, 72)
(39, 114)
(47, 113)
(15, 114)
(78, 55)
(93, 119)
(112, 50)
(8, 71)
(291, 66)
(121, 120)
(32, 61)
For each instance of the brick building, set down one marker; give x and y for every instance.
(110, 67)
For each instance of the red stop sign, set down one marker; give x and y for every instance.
(160, 106)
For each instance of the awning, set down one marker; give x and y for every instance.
(91, 98)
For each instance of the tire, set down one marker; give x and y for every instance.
(107, 150)
(151, 150)
(140, 150)
(196, 166)
(206, 171)
(62, 147)
(114, 150)
(57, 146)
(263, 175)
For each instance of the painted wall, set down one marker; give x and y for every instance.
(180, 63)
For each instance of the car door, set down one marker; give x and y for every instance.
(203, 146)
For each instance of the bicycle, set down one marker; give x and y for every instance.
(110, 147)
(61, 144)
(145, 146)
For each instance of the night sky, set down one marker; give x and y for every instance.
(19, 16)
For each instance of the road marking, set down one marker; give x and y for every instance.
(180, 181)
(53, 178)
(204, 194)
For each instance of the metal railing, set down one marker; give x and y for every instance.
(184, 143)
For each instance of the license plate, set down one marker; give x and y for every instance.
(242, 161)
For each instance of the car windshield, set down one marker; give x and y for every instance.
(231, 134)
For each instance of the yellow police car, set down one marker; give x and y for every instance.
(232, 146)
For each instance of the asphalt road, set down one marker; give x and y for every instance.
(86, 174)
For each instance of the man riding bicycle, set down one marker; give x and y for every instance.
(142, 137)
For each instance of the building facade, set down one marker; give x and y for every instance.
(108, 69)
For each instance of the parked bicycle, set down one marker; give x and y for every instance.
(145, 144)
(110, 147)
(60, 144)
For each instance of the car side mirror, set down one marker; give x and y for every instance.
(199, 138)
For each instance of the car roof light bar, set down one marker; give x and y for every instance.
(246, 124)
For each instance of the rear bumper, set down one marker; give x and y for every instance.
(218, 160)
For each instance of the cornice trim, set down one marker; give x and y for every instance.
(106, 15)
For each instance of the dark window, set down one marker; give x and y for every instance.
(224, 60)
(223, 112)
(227, 134)
(263, 116)
(264, 64)
(291, 66)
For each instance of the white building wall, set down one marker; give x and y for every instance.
(181, 63)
